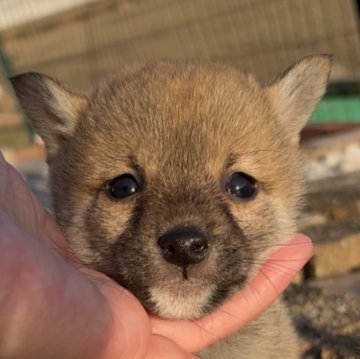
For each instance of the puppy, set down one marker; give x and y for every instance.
(177, 179)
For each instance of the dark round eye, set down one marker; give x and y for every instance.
(241, 185)
(123, 186)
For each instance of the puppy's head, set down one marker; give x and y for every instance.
(176, 178)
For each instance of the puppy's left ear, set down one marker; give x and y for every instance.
(295, 93)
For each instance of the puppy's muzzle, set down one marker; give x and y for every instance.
(183, 246)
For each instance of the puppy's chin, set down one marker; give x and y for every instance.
(181, 300)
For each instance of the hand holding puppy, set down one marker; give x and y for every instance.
(50, 307)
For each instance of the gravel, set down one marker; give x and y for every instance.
(328, 324)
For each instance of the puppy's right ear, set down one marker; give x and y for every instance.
(52, 108)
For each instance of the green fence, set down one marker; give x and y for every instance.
(338, 110)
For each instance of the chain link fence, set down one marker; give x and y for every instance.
(81, 41)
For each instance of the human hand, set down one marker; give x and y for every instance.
(52, 307)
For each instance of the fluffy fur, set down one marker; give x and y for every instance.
(181, 128)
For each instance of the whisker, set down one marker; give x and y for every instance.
(227, 313)
(269, 280)
(205, 330)
(271, 265)
(254, 293)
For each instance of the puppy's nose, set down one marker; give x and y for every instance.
(183, 246)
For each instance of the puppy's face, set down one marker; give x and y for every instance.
(176, 179)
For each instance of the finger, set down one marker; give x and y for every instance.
(245, 305)
(163, 348)
(18, 201)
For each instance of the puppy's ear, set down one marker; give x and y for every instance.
(52, 109)
(295, 93)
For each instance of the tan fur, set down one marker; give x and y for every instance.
(276, 341)
(181, 128)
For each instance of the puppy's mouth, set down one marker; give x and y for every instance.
(181, 299)
(191, 298)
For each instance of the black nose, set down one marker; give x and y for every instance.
(183, 246)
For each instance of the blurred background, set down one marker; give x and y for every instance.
(82, 41)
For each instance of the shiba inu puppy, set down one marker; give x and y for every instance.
(177, 179)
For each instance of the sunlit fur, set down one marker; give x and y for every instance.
(181, 128)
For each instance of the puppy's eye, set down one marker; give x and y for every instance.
(241, 185)
(123, 186)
